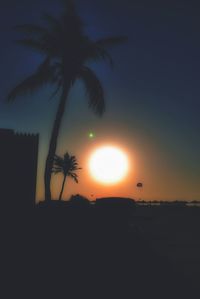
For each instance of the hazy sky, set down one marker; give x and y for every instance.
(153, 95)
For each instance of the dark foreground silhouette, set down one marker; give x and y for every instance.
(80, 250)
(66, 50)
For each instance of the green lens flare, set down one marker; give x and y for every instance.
(91, 135)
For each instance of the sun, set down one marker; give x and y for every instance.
(108, 165)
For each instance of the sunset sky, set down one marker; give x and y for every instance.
(152, 96)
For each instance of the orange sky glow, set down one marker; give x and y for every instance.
(159, 182)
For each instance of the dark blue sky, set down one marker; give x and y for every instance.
(153, 94)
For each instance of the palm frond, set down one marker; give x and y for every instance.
(66, 156)
(98, 50)
(94, 52)
(37, 45)
(58, 161)
(31, 29)
(74, 176)
(101, 53)
(51, 21)
(44, 74)
(94, 90)
(56, 171)
(57, 168)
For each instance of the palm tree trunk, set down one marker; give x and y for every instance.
(63, 186)
(53, 141)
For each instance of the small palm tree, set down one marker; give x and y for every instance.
(67, 165)
(66, 51)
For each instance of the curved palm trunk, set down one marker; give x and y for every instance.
(53, 141)
(62, 189)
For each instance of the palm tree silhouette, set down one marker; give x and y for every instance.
(68, 166)
(67, 51)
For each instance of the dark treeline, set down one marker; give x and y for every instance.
(82, 250)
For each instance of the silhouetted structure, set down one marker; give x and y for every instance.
(79, 200)
(18, 168)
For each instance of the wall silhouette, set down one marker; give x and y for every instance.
(18, 168)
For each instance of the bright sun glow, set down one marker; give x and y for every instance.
(108, 165)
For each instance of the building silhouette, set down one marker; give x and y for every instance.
(18, 169)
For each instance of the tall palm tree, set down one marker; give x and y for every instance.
(67, 166)
(67, 50)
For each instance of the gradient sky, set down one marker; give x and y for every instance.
(153, 95)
